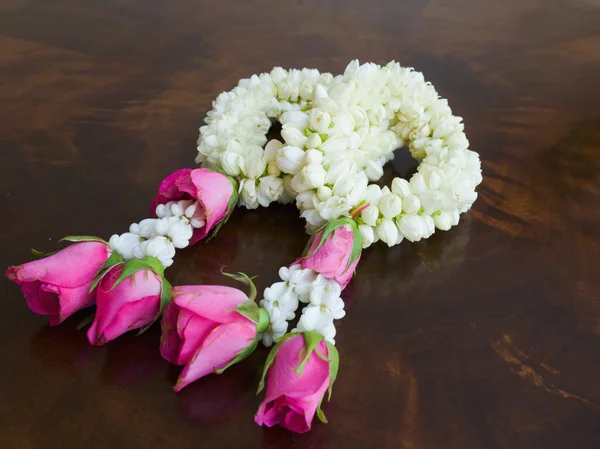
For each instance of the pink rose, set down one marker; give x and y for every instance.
(131, 304)
(214, 192)
(207, 328)
(333, 258)
(297, 382)
(58, 285)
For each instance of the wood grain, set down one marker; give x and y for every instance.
(484, 337)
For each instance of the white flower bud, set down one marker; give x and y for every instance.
(254, 166)
(417, 182)
(191, 210)
(125, 244)
(334, 207)
(367, 234)
(338, 168)
(290, 159)
(429, 225)
(180, 232)
(313, 141)
(293, 136)
(146, 227)
(177, 209)
(232, 163)
(432, 177)
(370, 214)
(249, 193)
(161, 210)
(299, 184)
(401, 187)
(307, 200)
(314, 175)
(373, 170)
(390, 205)
(270, 189)
(373, 194)
(343, 185)
(412, 227)
(312, 217)
(319, 120)
(134, 228)
(271, 150)
(324, 193)
(443, 221)
(161, 248)
(314, 157)
(387, 232)
(411, 204)
(273, 169)
(296, 119)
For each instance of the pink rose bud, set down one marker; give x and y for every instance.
(215, 192)
(334, 253)
(301, 368)
(59, 285)
(207, 328)
(130, 304)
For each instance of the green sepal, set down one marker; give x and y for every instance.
(230, 205)
(240, 356)
(249, 309)
(328, 229)
(114, 260)
(307, 132)
(320, 413)
(165, 298)
(129, 268)
(263, 320)
(155, 265)
(311, 341)
(37, 253)
(82, 238)
(268, 363)
(334, 366)
(245, 279)
(87, 320)
(324, 137)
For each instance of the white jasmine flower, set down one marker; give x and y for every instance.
(373, 194)
(412, 226)
(324, 193)
(334, 207)
(255, 165)
(161, 248)
(307, 200)
(314, 156)
(401, 187)
(390, 205)
(313, 218)
(125, 244)
(373, 170)
(319, 120)
(271, 150)
(368, 235)
(280, 297)
(443, 221)
(290, 159)
(387, 231)
(318, 319)
(370, 214)
(249, 194)
(411, 204)
(313, 141)
(270, 188)
(314, 175)
(293, 136)
(232, 163)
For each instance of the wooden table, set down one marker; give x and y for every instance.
(484, 337)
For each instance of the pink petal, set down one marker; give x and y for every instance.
(193, 330)
(71, 267)
(41, 301)
(213, 302)
(219, 348)
(133, 315)
(169, 339)
(174, 187)
(214, 190)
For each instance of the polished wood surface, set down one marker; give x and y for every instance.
(484, 337)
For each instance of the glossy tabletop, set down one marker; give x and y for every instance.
(483, 337)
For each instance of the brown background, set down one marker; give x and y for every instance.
(484, 337)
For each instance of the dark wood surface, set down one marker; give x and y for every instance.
(484, 337)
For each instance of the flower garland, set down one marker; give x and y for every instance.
(337, 133)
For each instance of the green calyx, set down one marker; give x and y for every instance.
(330, 228)
(70, 238)
(311, 342)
